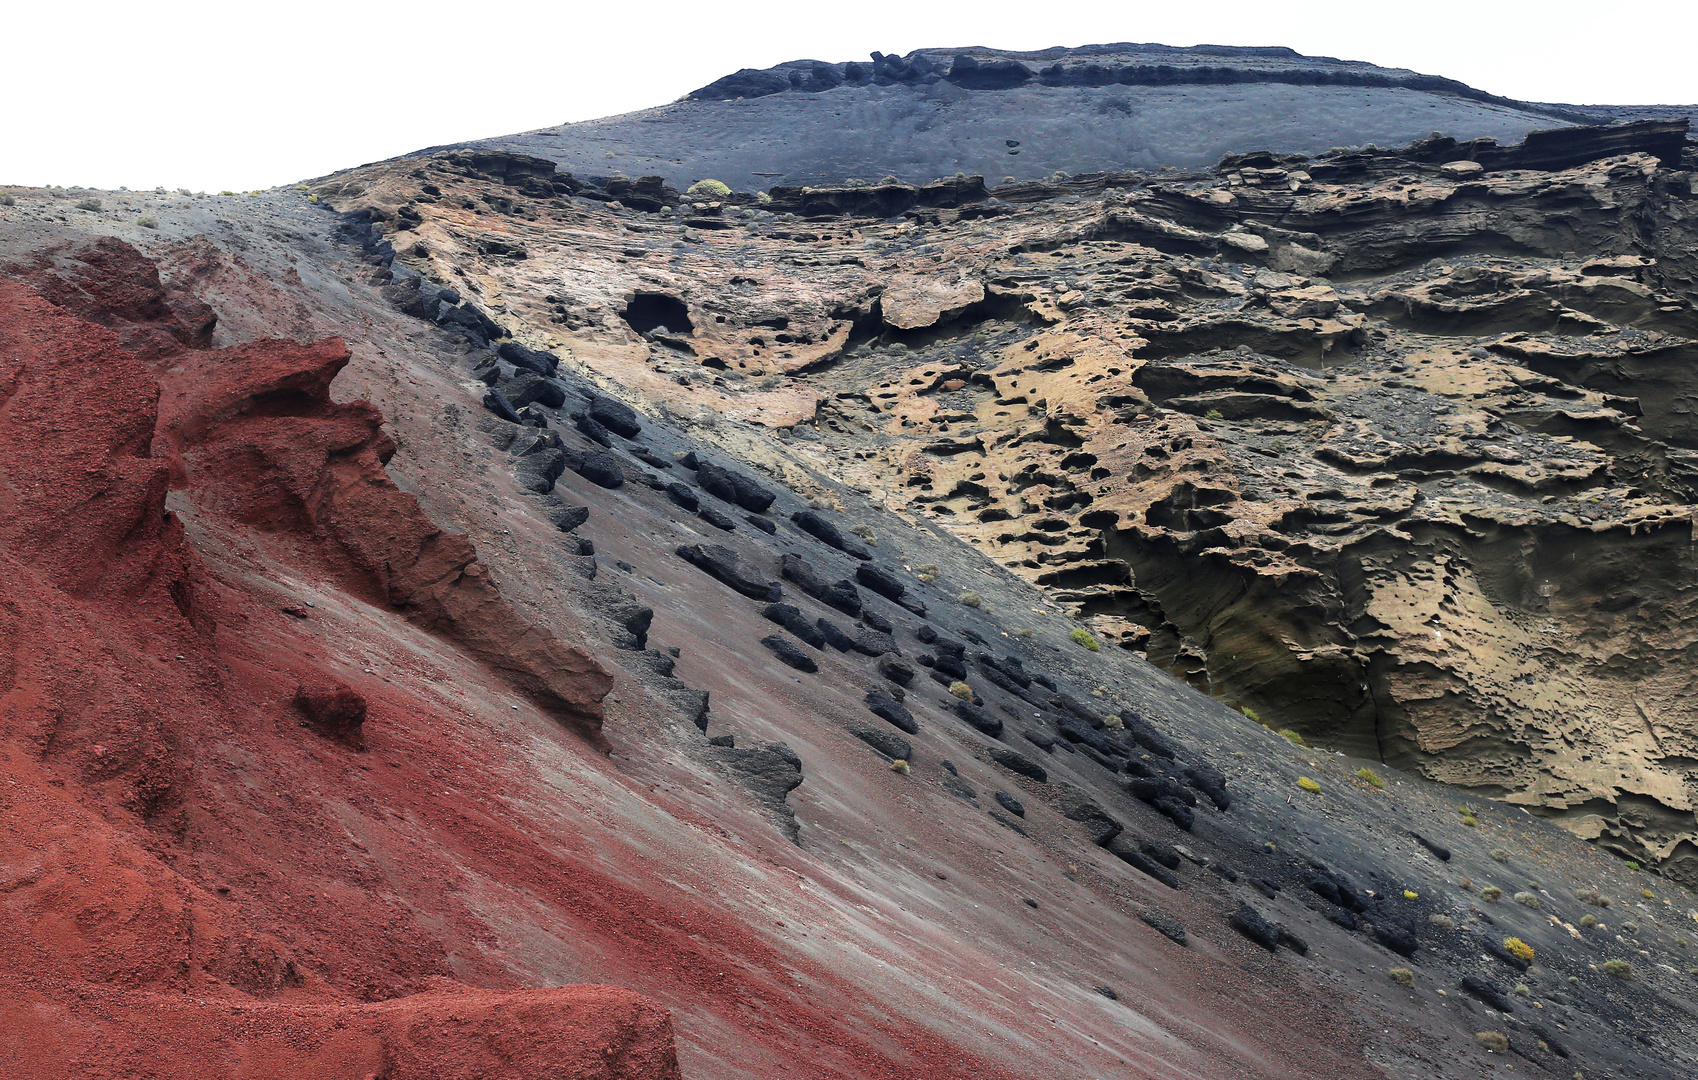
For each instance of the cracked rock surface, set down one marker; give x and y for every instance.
(1392, 448)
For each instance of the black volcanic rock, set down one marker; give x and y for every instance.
(733, 487)
(533, 360)
(1018, 763)
(897, 671)
(841, 595)
(1250, 922)
(598, 467)
(792, 619)
(880, 739)
(1010, 804)
(834, 635)
(979, 719)
(881, 581)
(820, 528)
(615, 416)
(887, 708)
(928, 114)
(727, 566)
(786, 650)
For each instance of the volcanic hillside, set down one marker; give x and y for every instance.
(1389, 448)
(1027, 115)
(468, 620)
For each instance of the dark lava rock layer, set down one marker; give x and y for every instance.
(1027, 115)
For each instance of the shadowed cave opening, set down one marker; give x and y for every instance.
(649, 311)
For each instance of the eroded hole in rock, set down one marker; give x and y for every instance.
(648, 312)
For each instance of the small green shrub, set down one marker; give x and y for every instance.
(970, 599)
(927, 579)
(1632, 865)
(1371, 778)
(865, 532)
(88, 204)
(1411, 894)
(899, 766)
(1471, 821)
(1523, 990)
(1083, 638)
(1291, 736)
(1308, 785)
(1024, 632)
(1593, 897)
(1402, 976)
(708, 189)
(1442, 922)
(1588, 921)
(226, 193)
(1527, 900)
(1249, 712)
(1647, 894)
(1518, 949)
(1621, 969)
(148, 222)
(1491, 894)
(1500, 854)
(1213, 414)
(1113, 722)
(926, 568)
(961, 690)
(1492, 1041)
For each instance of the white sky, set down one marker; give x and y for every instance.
(190, 93)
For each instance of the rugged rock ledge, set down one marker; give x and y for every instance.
(1028, 115)
(1123, 64)
(1390, 447)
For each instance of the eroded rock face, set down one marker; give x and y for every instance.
(1392, 451)
(250, 432)
(125, 669)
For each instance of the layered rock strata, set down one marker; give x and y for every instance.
(1388, 447)
(1029, 115)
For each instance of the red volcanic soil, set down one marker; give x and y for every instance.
(230, 845)
(289, 787)
(119, 690)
